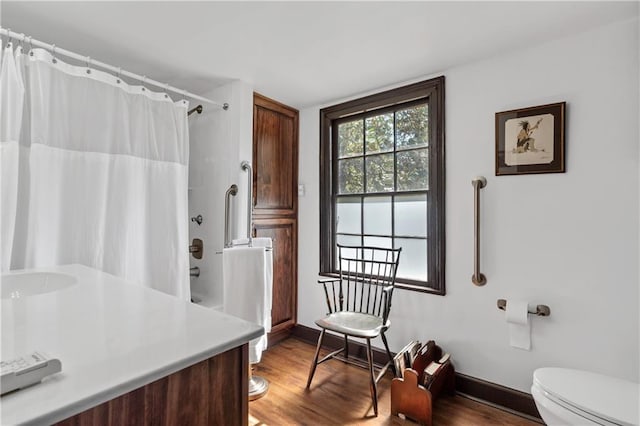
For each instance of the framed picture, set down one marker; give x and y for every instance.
(530, 140)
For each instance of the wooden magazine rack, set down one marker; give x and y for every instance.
(430, 375)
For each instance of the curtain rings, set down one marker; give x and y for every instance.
(30, 46)
(88, 64)
(8, 38)
(119, 79)
(166, 91)
(53, 53)
(184, 96)
(24, 37)
(144, 80)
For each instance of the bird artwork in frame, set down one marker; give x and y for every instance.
(530, 140)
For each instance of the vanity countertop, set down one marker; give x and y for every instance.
(111, 336)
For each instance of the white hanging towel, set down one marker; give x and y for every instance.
(268, 244)
(247, 280)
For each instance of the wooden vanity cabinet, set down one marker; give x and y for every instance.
(211, 392)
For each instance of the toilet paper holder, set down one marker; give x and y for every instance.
(541, 310)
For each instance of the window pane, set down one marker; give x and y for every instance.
(379, 133)
(348, 217)
(413, 170)
(350, 176)
(410, 215)
(380, 173)
(377, 215)
(350, 138)
(380, 255)
(413, 259)
(378, 242)
(350, 241)
(412, 127)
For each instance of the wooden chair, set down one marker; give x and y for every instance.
(359, 302)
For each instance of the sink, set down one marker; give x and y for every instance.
(15, 286)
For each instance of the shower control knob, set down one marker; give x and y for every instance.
(197, 219)
(196, 248)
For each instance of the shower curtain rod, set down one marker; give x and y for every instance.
(119, 71)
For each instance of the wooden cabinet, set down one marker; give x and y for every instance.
(211, 392)
(275, 158)
(285, 246)
(275, 203)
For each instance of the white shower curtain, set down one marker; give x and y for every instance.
(11, 108)
(106, 178)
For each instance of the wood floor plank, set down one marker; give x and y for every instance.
(339, 395)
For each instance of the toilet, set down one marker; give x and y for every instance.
(574, 397)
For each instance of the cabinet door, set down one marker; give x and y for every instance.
(275, 203)
(275, 157)
(283, 232)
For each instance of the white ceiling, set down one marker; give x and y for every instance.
(301, 53)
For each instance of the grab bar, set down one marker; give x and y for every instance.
(477, 278)
(233, 190)
(246, 166)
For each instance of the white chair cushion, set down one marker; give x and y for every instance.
(353, 323)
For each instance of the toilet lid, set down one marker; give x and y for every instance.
(612, 399)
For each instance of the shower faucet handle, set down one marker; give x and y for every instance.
(197, 219)
(196, 248)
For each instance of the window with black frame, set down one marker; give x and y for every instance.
(382, 180)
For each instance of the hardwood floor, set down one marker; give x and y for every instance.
(339, 395)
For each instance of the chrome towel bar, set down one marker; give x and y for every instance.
(249, 244)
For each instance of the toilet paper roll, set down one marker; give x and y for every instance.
(517, 316)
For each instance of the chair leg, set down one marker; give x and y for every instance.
(373, 387)
(346, 347)
(386, 346)
(315, 359)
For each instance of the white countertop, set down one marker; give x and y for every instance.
(111, 337)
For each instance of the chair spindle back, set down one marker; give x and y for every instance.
(367, 278)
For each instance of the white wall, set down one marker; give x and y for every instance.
(566, 240)
(243, 107)
(219, 140)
